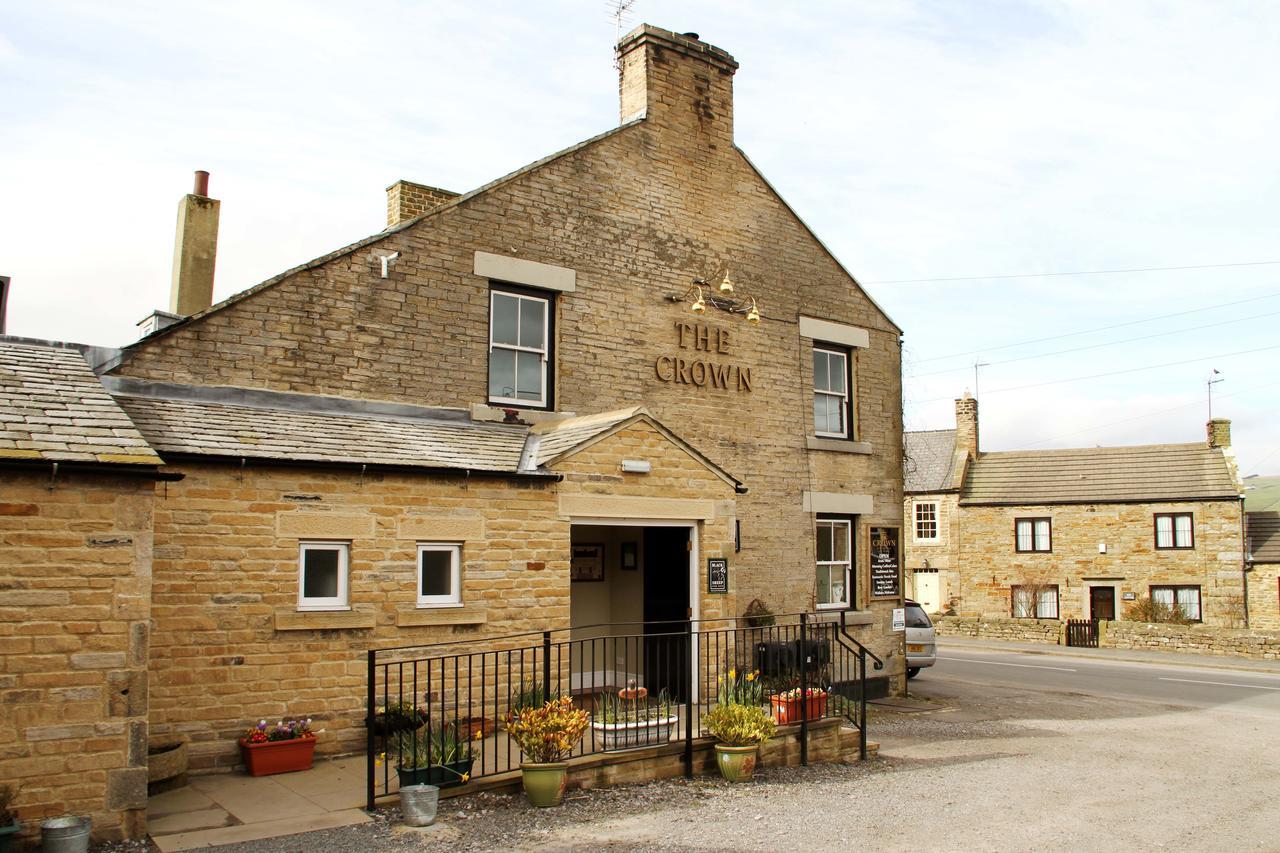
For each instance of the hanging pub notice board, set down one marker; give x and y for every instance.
(886, 568)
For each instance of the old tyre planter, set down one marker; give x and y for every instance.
(277, 756)
(737, 763)
(544, 784)
(166, 766)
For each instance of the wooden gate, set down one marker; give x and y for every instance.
(1082, 633)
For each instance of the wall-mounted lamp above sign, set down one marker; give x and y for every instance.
(703, 293)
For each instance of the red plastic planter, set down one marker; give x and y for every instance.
(277, 756)
(788, 710)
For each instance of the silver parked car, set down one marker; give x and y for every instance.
(922, 646)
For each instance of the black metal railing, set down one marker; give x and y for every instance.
(435, 713)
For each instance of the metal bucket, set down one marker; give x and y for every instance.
(418, 804)
(65, 835)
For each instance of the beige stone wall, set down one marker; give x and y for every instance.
(637, 215)
(1000, 628)
(940, 555)
(1264, 596)
(75, 583)
(1194, 639)
(990, 565)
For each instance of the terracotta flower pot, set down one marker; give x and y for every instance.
(788, 710)
(737, 763)
(277, 756)
(544, 784)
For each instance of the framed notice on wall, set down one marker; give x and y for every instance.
(717, 576)
(587, 563)
(886, 567)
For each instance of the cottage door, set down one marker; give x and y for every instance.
(1102, 602)
(666, 610)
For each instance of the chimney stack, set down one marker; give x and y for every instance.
(679, 83)
(1219, 432)
(4, 301)
(967, 425)
(407, 200)
(194, 251)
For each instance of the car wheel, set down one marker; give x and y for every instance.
(913, 671)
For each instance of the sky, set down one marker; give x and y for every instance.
(993, 149)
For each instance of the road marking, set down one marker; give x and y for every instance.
(1220, 683)
(999, 663)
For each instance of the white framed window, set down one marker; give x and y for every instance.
(835, 562)
(519, 348)
(1033, 534)
(439, 575)
(926, 517)
(1035, 602)
(322, 575)
(1174, 531)
(1185, 598)
(831, 392)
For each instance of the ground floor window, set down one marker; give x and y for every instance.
(439, 574)
(835, 562)
(1035, 602)
(1183, 598)
(322, 575)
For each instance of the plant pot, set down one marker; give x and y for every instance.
(629, 735)
(468, 727)
(419, 803)
(440, 775)
(65, 835)
(385, 726)
(544, 784)
(737, 763)
(277, 756)
(7, 834)
(788, 710)
(166, 766)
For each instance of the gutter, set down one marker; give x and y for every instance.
(468, 473)
(150, 472)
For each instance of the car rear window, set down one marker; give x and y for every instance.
(917, 618)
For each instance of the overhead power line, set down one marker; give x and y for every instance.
(1098, 329)
(1076, 272)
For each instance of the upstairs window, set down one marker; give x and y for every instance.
(1033, 534)
(927, 521)
(439, 575)
(832, 408)
(1035, 602)
(520, 347)
(322, 576)
(835, 562)
(1174, 531)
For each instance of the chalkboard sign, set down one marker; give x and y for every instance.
(886, 571)
(717, 576)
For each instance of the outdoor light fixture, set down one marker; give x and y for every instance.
(702, 293)
(636, 466)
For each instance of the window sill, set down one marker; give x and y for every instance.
(323, 620)
(838, 445)
(455, 615)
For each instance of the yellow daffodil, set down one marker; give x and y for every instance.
(733, 673)
(466, 777)
(751, 676)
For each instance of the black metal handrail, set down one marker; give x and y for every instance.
(644, 682)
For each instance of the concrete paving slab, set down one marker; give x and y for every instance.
(188, 821)
(253, 832)
(255, 799)
(326, 777)
(332, 801)
(179, 800)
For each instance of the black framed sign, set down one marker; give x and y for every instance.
(717, 576)
(886, 568)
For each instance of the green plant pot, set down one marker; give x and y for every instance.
(440, 775)
(7, 834)
(737, 763)
(544, 783)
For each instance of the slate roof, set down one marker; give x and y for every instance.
(1146, 473)
(1264, 536)
(1262, 494)
(53, 408)
(926, 466)
(220, 429)
(556, 437)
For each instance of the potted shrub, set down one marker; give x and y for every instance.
(629, 719)
(287, 746)
(787, 704)
(739, 730)
(9, 825)
(434, 756)
(546, 735)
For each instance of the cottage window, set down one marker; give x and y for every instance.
(1183, 598)
(835, 562)
(322, 576)
(439, 575)
(520, 347)
(1033, 534)
(927, 521)
(832, 407)
(1035, 602)
(1174, 531)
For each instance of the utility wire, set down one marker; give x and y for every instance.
(1077, 272)
(1098, 329)
(1112, 373)
(1097, 346)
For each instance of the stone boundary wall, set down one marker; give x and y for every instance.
(1193, 639)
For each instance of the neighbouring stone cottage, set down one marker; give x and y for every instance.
(1073, 534)
(403, 441)
(1262, 545)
